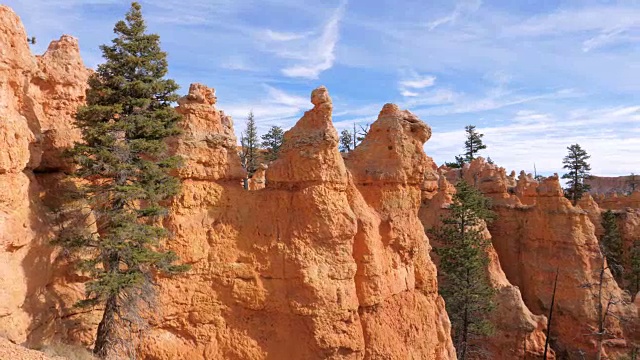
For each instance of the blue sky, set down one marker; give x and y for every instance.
(533, 76)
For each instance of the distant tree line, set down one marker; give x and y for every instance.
(253, 151)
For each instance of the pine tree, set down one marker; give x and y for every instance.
(633, 182)
(633, 275)
(345, 141)
(249, 144)
(576, 163)
(464, 284)
(458, 164)
(612, 244)
(124, 125)
(271, 141)
(473, 144)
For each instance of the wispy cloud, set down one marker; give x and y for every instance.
(320, 54)
(419, 83)
(271, 35)
(542, 137)
(276, 107)
(412, 82)
(602, 39)
(462, 8)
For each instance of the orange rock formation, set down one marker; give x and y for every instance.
(295, 260)
(519, 334)
(533, 241)
(326, 258)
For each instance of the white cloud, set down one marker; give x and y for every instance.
(432, 98)
(542, 138)
(462, 104)
(280, 97)
(604, 38)
(463, 7)
(283, 36)
(419, 83)
(408, 93)
(413, 81)
(320, 55)
(278, 107)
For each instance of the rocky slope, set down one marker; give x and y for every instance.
(548, 234)
(518, 333)
(613, 184)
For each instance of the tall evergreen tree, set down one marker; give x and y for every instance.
(271, 142)
(250, 145)
(346, 141)
(611, 242)
(633, 275)
(473, 144)
(458, 164)
(124, 157)
(576, 163)
(463, 282)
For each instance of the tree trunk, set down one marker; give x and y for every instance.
(106, 328)
(465, 330)
(553, 300)
(600, 312)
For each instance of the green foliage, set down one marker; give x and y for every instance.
(633, 273)
(458, 164)
(349, 140)
(124, 125)
(250, 145)
(345, 141)
(272, 141)
(576, 163)
(612, 244)
(633, 182)
(464, 284)
(473, 144)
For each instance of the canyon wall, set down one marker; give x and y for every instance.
(38, 98)
(613, 184)
(539, 232)
(517, 332)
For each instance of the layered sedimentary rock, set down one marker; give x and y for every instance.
(613, 184)
(617, 201)
(302, 258)
(518, 333)
(395, 274)
(38, 97)
(534, 241)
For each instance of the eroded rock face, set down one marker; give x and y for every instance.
(38, 97)
(613, 184)
(549, 234)
(208, 143)
(55, 92)
(518, 333)
(289, 261)
(391, 249)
